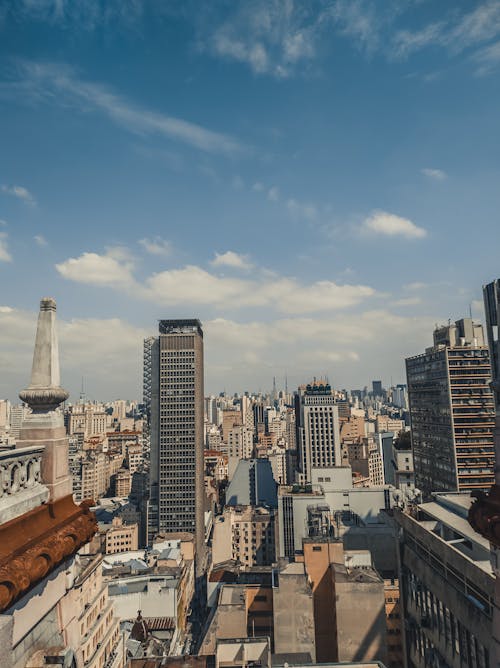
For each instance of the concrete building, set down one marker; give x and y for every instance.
(332, 503)
(318, 429)
(177, 500)
(88, 419)
(17, 414)
(400, 470)
(293, 612)
(239, 445)
(245, 534)
(159, 583)
(134, 457)
(122, 482)
(452, 411)
(359, 637)
(484, 514)
(447, 586)
(119, 537)
(252, 484)
(393, 619)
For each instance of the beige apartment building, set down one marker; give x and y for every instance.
(246, 534)
(134, 456)
(88, 619)
(121, 537)
(123, 481)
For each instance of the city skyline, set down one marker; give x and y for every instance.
(307, 180)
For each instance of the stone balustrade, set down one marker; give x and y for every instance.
(21, 486)
(20, 469)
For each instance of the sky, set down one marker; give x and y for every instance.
(317, 181)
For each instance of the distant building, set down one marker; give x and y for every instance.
(318, 428)
(245, 534)
(253, 484)
(120, 537)
(452, 411)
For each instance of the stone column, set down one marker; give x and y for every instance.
(44, 425)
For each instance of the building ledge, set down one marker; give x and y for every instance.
(34, 544)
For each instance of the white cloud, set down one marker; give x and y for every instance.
(157, 246)
(455, 33)
(300, 210)
(97, 269)
(5, 256)
(258, 187)
(270, 36)
(320, 296)
(20, 192)
(487, 59)
(194, 286)
(435, 174)
(408, 301)
(58, 82)
(231, 259)
(87, 15)
(349, 348)
(416, 285)
(390, 225)
(41, 240)
(273, 194)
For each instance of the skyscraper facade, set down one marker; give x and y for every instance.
(176, 405)
(318, 428)
(452, 411)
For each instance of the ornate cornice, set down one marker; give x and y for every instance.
(34, 544)
(42, 399)
(484, 514)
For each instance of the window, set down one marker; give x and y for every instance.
(316, 548)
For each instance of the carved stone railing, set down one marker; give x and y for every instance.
(19, 469)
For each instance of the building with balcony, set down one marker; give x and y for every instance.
(452, 411)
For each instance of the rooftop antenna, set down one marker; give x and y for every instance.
(470, 310)
(82, 393)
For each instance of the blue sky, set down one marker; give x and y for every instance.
(317, 181)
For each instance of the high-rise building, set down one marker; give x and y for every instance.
(176, 473)
(377, 388)
(484, 514)
(318, 428)
(452, 411)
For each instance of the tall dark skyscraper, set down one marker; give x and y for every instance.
(176, 473)
(452, 411)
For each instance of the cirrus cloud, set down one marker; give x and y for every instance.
(20, 192)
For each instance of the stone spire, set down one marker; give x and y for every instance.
(44, 393)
